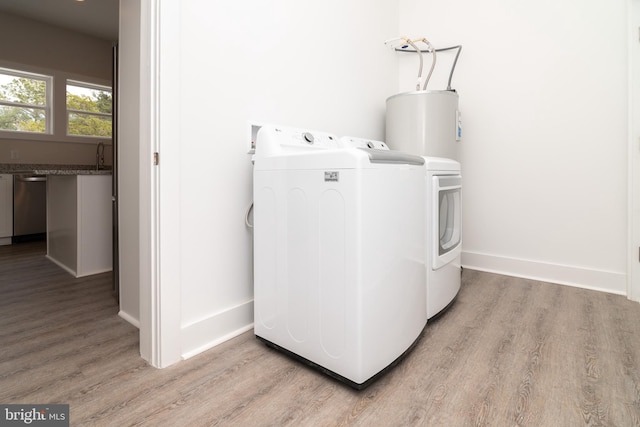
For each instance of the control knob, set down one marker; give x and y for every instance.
(307, 136)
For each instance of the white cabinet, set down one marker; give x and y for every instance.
(79, 230)
(6, 208)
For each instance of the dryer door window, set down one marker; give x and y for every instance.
(448, 227)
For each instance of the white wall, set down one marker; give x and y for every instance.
(319, 65)
(543, 92)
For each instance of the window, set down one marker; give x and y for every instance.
(25, 102)
(48, 105)
(89, 109)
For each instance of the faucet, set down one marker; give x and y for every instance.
(100, 156)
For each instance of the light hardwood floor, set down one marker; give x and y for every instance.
(509, 352)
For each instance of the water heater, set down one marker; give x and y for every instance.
(425, 123)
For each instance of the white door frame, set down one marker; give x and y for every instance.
(160, 309)
(633, 259)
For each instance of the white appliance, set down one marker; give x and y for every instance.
(339, 274)
(444, 232)
(425, 122)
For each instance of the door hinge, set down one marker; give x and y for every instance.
(156, 158)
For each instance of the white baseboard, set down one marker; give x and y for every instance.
(73, 272)
(92, 272)
(598, 280)
(129, 318)
(216, 329)
(61, 265)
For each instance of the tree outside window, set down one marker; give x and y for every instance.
(24, 101)
(89, 110)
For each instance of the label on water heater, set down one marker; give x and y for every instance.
(458, 125)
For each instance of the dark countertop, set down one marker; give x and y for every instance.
(50, 169)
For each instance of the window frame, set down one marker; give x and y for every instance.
(48, 108)
(58, 106)
(68, 111)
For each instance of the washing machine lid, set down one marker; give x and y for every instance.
(298, 149)
(389, 156)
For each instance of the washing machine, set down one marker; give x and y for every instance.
(443, 186)
(339, 274)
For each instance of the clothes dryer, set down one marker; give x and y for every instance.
(443, 226)
(339, 272)
(443, 185)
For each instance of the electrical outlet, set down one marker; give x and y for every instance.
(15, 154)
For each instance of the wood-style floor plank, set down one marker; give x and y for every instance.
(509, 352)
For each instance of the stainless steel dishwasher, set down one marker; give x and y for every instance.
(29, 207)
